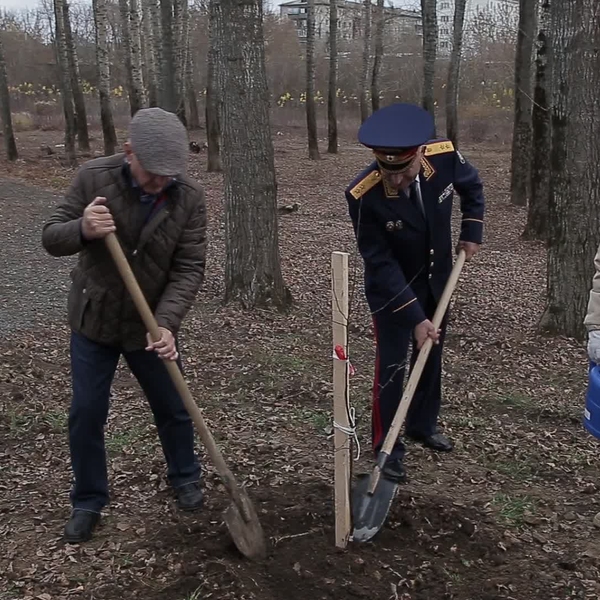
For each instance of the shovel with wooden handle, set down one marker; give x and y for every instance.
(240, 517)
(374, 494)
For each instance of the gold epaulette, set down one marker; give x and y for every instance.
(365, 184)
(439, 148)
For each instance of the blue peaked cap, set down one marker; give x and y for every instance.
(397, 127)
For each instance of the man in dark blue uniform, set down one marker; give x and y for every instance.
(401, 211)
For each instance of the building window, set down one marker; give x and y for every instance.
(445, 19)
(445, 31)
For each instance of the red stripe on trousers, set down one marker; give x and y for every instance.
(376, 415)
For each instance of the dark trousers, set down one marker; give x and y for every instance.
(392, 341)
(93, 368)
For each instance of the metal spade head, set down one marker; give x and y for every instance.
(245, 529)
(369, 510)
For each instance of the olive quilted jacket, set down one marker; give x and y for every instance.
(167, 253)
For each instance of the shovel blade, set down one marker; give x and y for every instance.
(245, 529)
(369, 511)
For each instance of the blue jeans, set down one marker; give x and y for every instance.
(93, 368)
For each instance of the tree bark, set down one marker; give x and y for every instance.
(9, 136)
(430, 42)
(454, 72)
(541, 142)
(136, 54)
(134, 104)
(253, 274)
(311, 109)
(211, 107)
(150, 51)
(65, 81)
(332, 127)
(378, 58)
(102, 59)
(366, 62)
(81, 125)
(520, 162)
(574, 208)
(169, 93)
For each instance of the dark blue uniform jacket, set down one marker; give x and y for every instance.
(408, 256)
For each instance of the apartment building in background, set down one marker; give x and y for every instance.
(445, 16)
(401, 18)
(398, 21)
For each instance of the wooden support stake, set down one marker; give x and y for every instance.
(341, 390)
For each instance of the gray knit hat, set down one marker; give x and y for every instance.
(159, 140)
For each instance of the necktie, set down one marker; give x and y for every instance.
(415, 196)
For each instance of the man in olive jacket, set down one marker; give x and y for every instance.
(159, 215)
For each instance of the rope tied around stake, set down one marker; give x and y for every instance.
(340, 354)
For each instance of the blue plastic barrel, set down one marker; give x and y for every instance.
(591, 413)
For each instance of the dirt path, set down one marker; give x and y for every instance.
(33, 284)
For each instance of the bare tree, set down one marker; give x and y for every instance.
(378, 58)
(332, 127)
(102, 60)
(366, 62)
(211, 108)
(574, 208)
(541, 142)
(454, 71)
(65, 80)
(311, 108)
(519, 185)
(132, 53)
(430, 41)
(78, 99)
(9, 135)
(253, 269)
(150, 59)
(169, 93)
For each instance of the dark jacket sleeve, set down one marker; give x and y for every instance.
(381, 265)
(61, 234)
(469, 187)
(187, 270)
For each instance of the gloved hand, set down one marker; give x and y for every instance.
(594, 346)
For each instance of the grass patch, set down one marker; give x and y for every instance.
(517, 400)
(117, 441)
(512, 509)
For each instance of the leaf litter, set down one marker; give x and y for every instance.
(511, 513)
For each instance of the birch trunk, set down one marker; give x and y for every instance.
(103, 62)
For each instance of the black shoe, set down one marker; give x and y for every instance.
(393, 469)
(437, 441)
(189, 496)
(80, 526)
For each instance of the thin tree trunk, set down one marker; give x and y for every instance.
(253, 269)
(541, 142)
(102, 59)
(574, 209)
(169, 93)
(430, 42)
(78, 99)
(126, 47)
(520, 162)
(136, 54)
(155, 10)
(179, 52)
(65, 81)
(366, 62)
(150, 52)
(213, 93)
(9, 136)
(454, 72)
(378, 58)
(332, 128)
(311, 108)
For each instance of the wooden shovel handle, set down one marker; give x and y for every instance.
(132, 285)
(415, 375)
